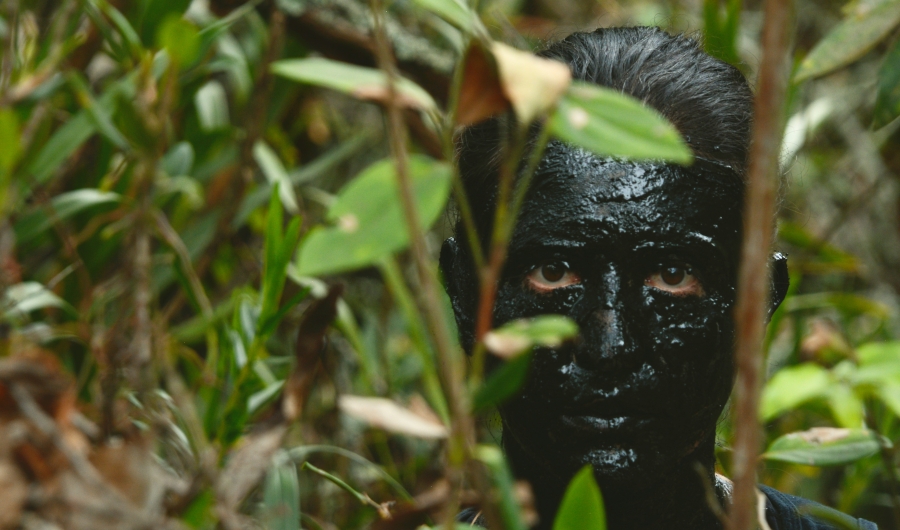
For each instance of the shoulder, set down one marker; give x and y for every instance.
(788, 512)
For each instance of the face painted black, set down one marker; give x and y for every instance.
(643, 257)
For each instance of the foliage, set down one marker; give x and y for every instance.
(180, 182)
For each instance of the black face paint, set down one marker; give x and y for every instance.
(640, 391)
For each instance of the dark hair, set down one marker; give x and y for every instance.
(708, 100)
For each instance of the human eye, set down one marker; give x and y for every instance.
(551, 275)
(677, 279)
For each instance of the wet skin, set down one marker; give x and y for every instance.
(644, 258)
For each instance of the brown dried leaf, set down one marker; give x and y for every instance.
(247, 465)
(308, 351)
(820, 435)
(386, 414)
(481, 94)
(532, 84)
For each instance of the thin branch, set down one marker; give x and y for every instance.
(753, 284)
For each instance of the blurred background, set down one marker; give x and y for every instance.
(140, 142)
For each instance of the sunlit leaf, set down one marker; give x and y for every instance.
(275, 173)
(180, 39)
(359, 81)
(212, 106)
(388, 415)
(793, 386)
(62, 207)
(582, 504)
(851, 39)
(518, 336)
(609, 123)
(367, 220)
(532, 84)
(502, 383)
(846, 406)
(22, 298)
(823, 446)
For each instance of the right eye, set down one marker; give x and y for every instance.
(550, 276)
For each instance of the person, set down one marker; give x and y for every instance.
(644, 257)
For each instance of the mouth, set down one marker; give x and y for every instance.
(592, 424)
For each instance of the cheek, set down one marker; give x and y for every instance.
(514, 301)
(693, 340)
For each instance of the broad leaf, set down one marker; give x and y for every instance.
(851, 39)
(823, 446)
(608, 123)
(368, 221)
(212, 106)
(793, 386)
(22, 298)
(359, 81)
(519, 336)
(502, 383)
(887, 104)
(845, 405)
(62, 207)
(180, 38)
(582, 504)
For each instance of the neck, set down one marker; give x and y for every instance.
(676, 498)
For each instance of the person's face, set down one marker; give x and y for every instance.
(643, 258)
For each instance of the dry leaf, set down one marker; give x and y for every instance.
(506, 345)
(481, 95)
(820, 435)
(509, 77)
(392, 417)
(532, 84)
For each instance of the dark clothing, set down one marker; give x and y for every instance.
(783, 512)
(787, 512)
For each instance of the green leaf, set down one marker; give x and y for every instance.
(846, 406)
(281, 497)
(851, 39)
(11, 142)
(454, 11)
(63, 206)
(179, 160)
(180, 39)
(519, 336)
(823, 446)
(502, 383)
(887, 103)
(368, 220)
(582, 504)
(879, 363)
(503, 486)
(212, 107)
(61, 145)
(793, 386)
(608, 123)
(358, 81)
(23, 298)
(98, 113)
(889, 394)
(275, 173)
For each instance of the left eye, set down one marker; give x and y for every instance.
(677, 279)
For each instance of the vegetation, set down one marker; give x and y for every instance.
(219, 302)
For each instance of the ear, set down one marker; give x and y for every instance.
(461, 284)
(778, 269)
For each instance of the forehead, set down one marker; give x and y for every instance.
(577, 193)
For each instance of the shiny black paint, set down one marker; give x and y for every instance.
(638, 394)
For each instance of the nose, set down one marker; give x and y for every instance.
(603, 327)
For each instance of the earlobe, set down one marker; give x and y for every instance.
(780, 281)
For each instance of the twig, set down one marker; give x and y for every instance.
(383, 510)
(753, 285)
(462, 431)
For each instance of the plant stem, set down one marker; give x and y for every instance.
(753, 284)
(462, 432)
